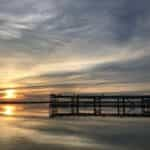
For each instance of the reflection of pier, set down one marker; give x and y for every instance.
(96, 105)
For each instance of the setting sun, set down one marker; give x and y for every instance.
(8, 110)
(10, 94)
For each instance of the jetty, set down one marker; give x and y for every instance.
(99, 105)
(92, 105)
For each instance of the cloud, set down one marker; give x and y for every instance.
(132, 22)
(97, 20)
(74, 43)
(16, 17)
(109, 76)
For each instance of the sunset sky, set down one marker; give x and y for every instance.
(74, 46)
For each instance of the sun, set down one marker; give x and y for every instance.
(10, 94)
(8, 110)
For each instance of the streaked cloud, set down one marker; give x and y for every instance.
(96, 45)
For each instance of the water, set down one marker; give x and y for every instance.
(74, 133)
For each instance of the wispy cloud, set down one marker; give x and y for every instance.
(75, 44)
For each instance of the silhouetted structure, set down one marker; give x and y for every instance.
(94, 105)
(99, 105)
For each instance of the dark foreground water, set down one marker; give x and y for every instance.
(75, 133)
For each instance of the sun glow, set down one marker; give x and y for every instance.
(8, 110)
(10, 94)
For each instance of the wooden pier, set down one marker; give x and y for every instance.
(99, 105)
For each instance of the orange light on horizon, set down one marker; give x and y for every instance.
(10, 94)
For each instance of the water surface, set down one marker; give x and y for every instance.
(74, 133)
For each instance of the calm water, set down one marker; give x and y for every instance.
(74, 133)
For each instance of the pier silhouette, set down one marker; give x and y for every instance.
(92, 105)
(99, 105)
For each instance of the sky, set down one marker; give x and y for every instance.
(96, 46)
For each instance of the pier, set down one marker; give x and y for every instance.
(99, 105)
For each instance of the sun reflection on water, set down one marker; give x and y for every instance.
(8, 110)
